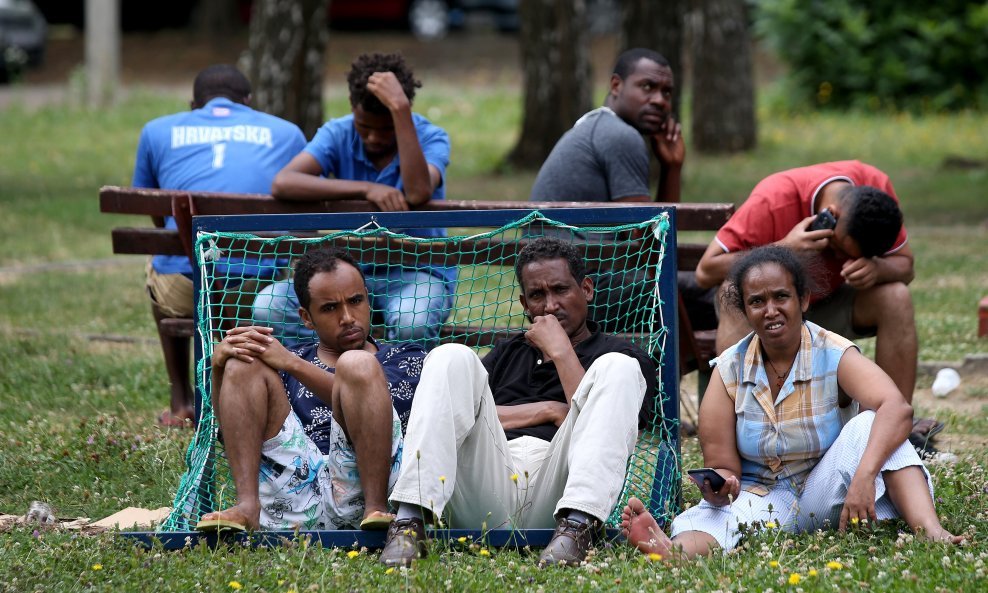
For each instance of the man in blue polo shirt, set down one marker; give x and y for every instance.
(220, 145)
(384, 153)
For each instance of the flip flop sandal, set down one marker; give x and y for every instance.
(220, 525)
(927, 427)
(377, 521)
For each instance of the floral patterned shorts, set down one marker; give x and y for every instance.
(300, 487)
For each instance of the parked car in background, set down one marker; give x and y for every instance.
(23, 37)
(427, 19)
(432, 19)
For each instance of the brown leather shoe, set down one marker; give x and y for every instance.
(404, 543)
(570, 542)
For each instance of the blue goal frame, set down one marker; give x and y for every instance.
(605, 215)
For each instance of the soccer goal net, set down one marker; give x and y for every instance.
(626, 252)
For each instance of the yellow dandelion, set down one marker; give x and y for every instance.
(352, 554)
(812, 572)
(236, 585)
(281, 582)
(794, 579)
(462, 539)
(484, 552)
(655, 557)
(774, 564)
(771, 525)
(390, 570)
(514, 478)
(442, 479)
(854, 520)
(97, 567)
(834, 565)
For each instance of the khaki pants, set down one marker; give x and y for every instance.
(457, 457)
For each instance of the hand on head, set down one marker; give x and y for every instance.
(801, 238)
(386, 87)
(668, 144)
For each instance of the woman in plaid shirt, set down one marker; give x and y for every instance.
(780, 422)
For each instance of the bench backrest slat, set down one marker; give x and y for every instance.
(129, 240)
(157, 202)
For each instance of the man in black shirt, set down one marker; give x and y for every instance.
(536, 434)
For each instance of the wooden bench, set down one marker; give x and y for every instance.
(696, 346)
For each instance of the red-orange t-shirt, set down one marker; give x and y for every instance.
(783, 199)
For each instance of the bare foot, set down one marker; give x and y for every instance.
(240, 514)
(941, 535)
(181, 419)
(642, 531)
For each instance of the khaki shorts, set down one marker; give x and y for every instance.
(172, 293)
(174, 296)
(836, 313)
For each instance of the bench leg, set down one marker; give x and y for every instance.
(177, 353)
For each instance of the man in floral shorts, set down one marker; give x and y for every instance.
(306, 430)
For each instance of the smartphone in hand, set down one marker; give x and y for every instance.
(707, 473)
(824, 220)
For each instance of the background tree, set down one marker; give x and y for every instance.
(557, 87)
(658, 26)
(216, 19)
(880, 55)
(723, 115)
(285, 59)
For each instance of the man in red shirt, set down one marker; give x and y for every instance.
(865, 261)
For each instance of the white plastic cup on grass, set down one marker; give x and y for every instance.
(946, 381)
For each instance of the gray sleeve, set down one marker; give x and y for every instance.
(598, 160)
(624, 157)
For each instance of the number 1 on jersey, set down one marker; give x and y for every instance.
(219, 153)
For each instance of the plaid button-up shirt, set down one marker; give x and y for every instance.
(782, 440)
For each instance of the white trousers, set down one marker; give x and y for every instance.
(457, 459)
(820, 504)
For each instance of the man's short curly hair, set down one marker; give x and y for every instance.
(545, 248)
(367, 64)
(220, 80)
(315, 261)
(873, 219)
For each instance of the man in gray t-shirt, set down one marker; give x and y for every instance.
(605, 156)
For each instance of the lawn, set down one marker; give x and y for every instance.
(81, 376)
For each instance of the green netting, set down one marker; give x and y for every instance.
(625, 262)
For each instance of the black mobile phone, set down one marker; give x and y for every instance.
(824, 221)
(706, 473)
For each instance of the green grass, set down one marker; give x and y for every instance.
(77, 409)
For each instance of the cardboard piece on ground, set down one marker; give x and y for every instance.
(131, 517)
(10, 521)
